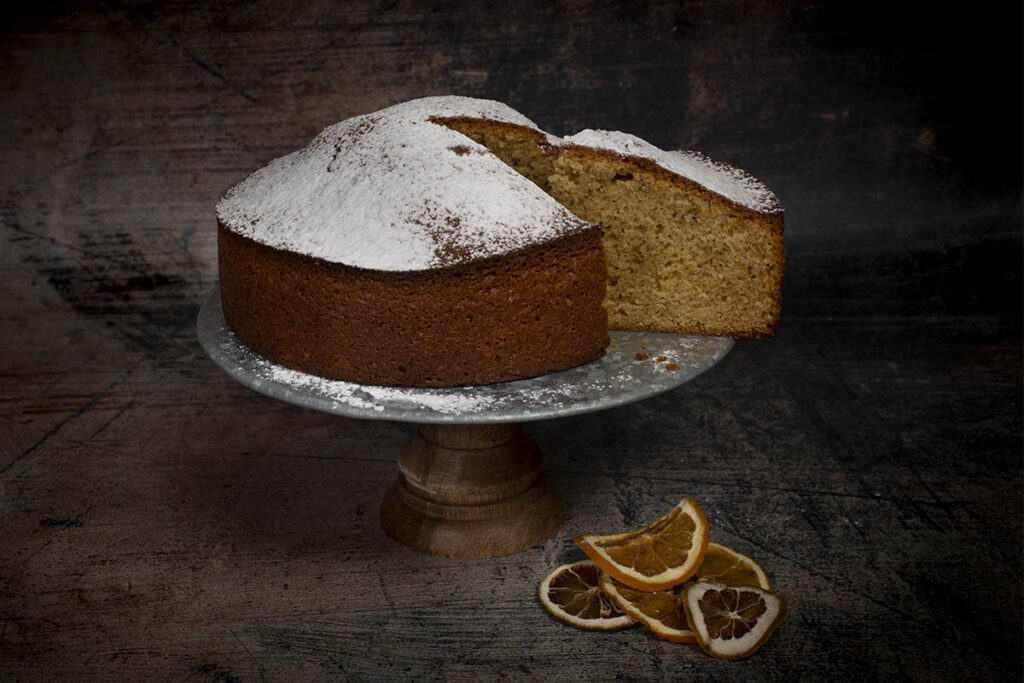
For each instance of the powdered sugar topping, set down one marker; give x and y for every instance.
(732, 183)
(394, 191)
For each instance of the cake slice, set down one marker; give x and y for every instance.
(692, 245)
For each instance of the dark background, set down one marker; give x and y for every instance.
(160, 520)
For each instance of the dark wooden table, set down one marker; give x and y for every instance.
(160, 521)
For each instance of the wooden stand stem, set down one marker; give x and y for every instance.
(471, 491)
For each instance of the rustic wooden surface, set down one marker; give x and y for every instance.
(159, 521)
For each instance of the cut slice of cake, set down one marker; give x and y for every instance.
(692, 245)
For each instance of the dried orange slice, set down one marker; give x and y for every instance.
(660, 611)
(724, 565)
(571, 594)
(731, 622)
(657, 557)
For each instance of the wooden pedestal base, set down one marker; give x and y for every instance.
(471, 491)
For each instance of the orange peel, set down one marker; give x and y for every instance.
(658, 556)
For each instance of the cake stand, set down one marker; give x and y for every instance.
(470, 481)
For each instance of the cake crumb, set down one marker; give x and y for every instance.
(642, 356)
(672, 367)
(643, 346)
(661, 359)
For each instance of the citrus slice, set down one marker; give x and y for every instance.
(657, 557)
(724, 565)
(731, 622)
(660, 611)
(571, 594)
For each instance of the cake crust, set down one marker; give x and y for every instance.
(494, 320)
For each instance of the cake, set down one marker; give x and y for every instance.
(450, 241)
(394, 250)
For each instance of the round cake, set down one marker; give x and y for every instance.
(394, 250)
(450, 241)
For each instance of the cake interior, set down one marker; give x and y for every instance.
(525, 150)
(679, 258)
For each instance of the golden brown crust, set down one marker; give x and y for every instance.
(490, 321)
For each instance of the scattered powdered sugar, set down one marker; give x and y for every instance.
(732, 183)
(371, 397)
(620, 377)
(454, 401)
(393, 191)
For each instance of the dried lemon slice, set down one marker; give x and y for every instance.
(571, 594)
(731, 622)
(724, 565)
(660, 611)
(657, 557)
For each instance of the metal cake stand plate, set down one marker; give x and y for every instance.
(471, 482)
